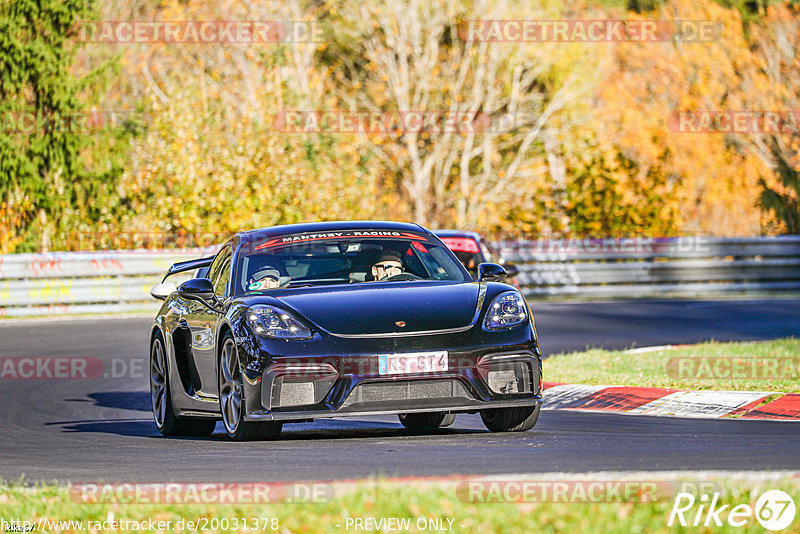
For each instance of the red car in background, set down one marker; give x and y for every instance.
(472, 250)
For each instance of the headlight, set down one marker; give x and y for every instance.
(506, 310)
(268, 321)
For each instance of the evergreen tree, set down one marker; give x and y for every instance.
(39, 155)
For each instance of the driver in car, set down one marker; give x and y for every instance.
(388, 265)
(266, 278)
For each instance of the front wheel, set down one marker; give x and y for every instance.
(231, 399)
(422, 421)
(511, 419)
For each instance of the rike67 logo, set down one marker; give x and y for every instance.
(774, 510)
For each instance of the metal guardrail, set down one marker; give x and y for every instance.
(643, 267)
(68, 283)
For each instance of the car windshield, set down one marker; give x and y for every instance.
(344, 257)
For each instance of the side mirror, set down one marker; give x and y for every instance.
(163, 290)
(511, 269)
(196, 289)
(491, 272)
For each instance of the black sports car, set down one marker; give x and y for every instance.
(330, 319)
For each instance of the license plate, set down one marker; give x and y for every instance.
(415, 362)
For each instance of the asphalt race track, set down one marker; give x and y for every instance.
(101, 429)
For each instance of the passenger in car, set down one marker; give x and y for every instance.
(266, 278)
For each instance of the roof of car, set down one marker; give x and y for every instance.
(458, 233)
(327, 226)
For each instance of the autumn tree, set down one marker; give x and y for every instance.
(212, 160)
(773, 85)
(413, 56)
(711, 183)
(573, 138)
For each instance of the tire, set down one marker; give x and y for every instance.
(167, 423)
(423, 421)
(231, 399)
(511, 419)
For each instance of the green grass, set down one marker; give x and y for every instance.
(673, 369)
(401, 500)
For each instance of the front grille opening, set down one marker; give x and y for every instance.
(407, 390)
(287, 392)
(509, 378)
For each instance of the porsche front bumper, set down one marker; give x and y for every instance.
(301, 389)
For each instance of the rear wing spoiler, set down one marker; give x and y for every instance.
(188, 266)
